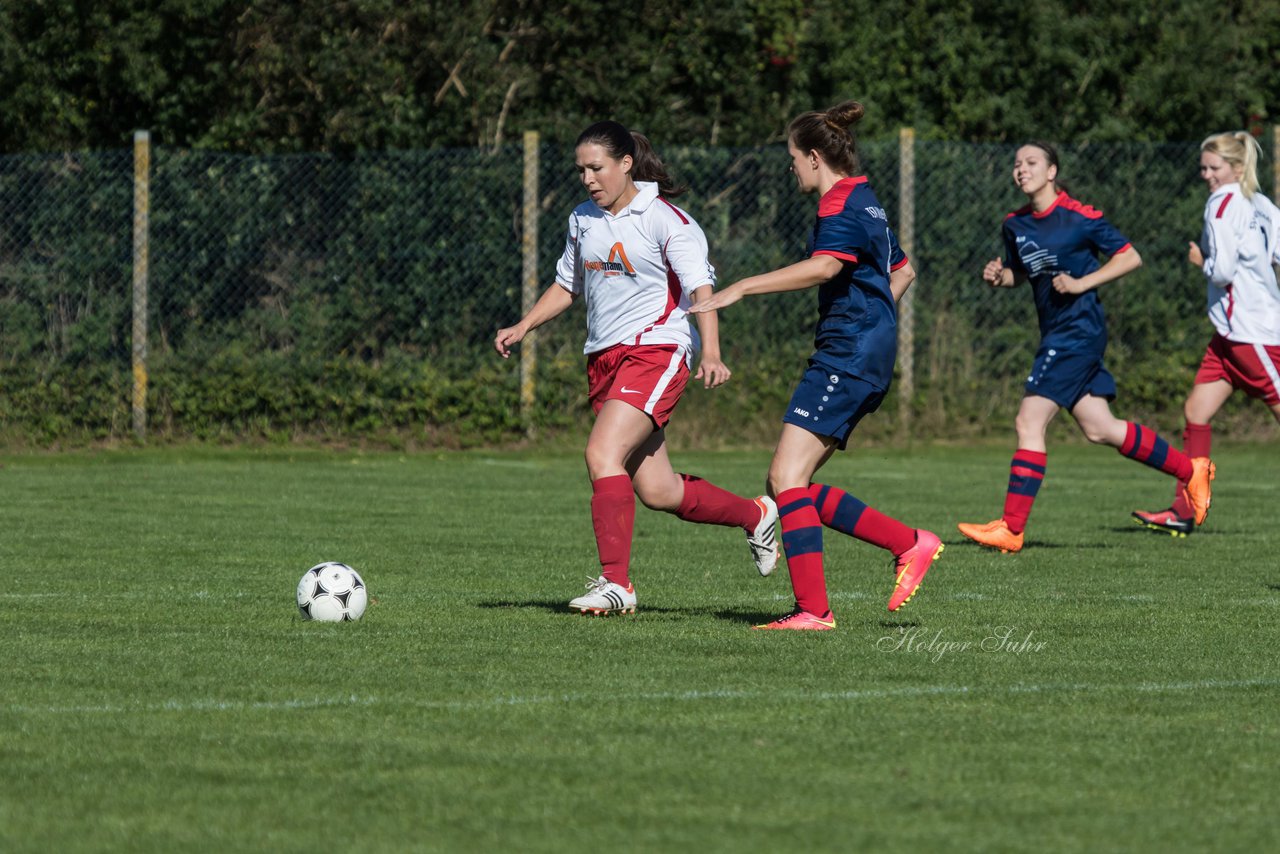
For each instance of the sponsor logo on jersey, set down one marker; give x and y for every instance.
(803, 413)
(617, 265)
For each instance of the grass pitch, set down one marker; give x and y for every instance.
(1106, 689)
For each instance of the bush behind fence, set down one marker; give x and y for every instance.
(315, 296)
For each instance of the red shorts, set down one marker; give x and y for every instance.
(1251, 368)
(650, 377)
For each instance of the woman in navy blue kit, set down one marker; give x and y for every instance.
(860, 272)
(1053, 242)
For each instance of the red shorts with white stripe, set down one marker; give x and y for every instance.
(1251, 368)
(650, 377)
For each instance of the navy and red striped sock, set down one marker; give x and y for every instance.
(613, 516)
(841, 512)
(1026, 473)
(802, 542)
(1144, 445)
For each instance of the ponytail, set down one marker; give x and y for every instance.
(647, 166)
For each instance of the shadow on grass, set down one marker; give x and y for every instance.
(753, 618)
(559, 606)
(1031, 544)
(1146, 532)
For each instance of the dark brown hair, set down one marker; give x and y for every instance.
(618, 142)
(830, 133)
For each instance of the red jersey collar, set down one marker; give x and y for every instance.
(1062, 194)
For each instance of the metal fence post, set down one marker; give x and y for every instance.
(906, 308)
(529, 284)
(141, 252)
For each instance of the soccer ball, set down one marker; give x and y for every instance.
(332, 592)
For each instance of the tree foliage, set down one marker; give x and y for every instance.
(316, 75)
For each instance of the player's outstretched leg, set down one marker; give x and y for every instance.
(603, 598)
(707, 504)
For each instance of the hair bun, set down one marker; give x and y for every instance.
(844, 115)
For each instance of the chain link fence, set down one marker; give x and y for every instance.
(318, 295)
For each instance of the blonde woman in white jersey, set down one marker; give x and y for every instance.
(639, 262)
(1237, 251)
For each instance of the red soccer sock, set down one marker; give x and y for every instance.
(613, 515)
(1026, 473)
(1144, 445)
(708, 504)
(1197, 441)
(802, 542)
(841, 512)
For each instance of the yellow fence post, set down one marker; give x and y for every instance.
(529, 283)
(141, 257)
(906, 308)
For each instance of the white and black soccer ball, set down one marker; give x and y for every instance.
(332, 592)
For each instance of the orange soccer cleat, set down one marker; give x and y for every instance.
(1200, 488)
(995, 535)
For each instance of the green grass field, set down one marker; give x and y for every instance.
(1105, 690)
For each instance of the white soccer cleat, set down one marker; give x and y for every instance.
(763, 540)
(603, 597)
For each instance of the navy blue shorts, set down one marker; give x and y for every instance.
(829, 403)
(1064, 377)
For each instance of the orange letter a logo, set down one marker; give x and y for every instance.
(617, 253)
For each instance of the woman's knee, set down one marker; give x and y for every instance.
(1097, 434)
(602, 459)
(666, 496)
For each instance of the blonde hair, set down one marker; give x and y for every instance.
(1241, 151)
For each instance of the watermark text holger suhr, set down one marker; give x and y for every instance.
(1005, 640)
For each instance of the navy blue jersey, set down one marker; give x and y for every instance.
(857, 331)
(1066, 238)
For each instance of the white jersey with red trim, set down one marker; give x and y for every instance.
(1244, 301)
(636, 270)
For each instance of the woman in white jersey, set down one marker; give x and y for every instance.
(1236, 252)
(640, 262)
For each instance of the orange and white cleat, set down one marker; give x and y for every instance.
(603, 598)
(1200, 487)
(995, 535)
(803, 621)
(762, 539)
(912, 565)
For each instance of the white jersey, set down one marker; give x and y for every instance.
(1244, 302)
(637, 270)
(1270, 221)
